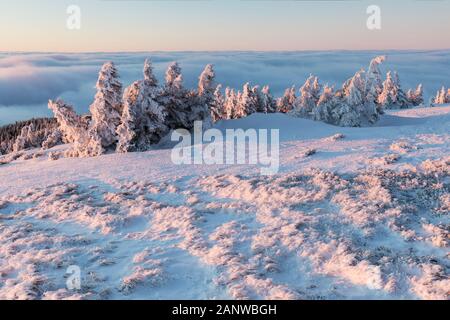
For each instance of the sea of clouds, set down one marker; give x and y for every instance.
(28, 80)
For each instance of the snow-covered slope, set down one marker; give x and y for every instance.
(364, 216)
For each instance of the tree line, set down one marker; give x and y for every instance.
(134, 118)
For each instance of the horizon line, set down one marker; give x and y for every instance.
(231, 50)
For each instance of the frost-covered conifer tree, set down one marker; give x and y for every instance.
(388, 96)
(149, 77)
(268, 103)
(392, 96)
(342, 114)
(184, 107)
(55, 138)
(325, 105)
(218, 105)
(316, 90)
(106, 110)
(174, 98)
(415, 97)
(22, 141)
(230, 103)
(309, 96)
(356, 102)
(142, 120)
(70, 124)
(73, 128)
(361, 98)
(373, 83)
(358, 81)
(286, 103)
(174, 79)
(402, 100)
(207, 93)
(258, 98)
(197, 110)
(247, 102)
(207, 85)
(239, 108)
(250, 99)
(436, 98)
(373, 88)
(442, 96)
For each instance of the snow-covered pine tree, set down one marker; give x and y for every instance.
(388, 96)
(402, 101)
(239, 108)
(55, 138)
(359, 81)
(198, 110)
(392, 96)
(325, 105)
(268, 103)
(415, 97)
(436, 98)
(128, 130)
(286, 103)
(442, 97)
(106, 110)
(230, 103)
(356, 102)
(206, 84)
(361, 97)
(250, 99)
(371, 109)
(71, 125)
(23, 140)
(373, 83)
(258, 98)
(342, 114)
(309, 96)
(174, 99)
(373, 88)
(149, 77)
(184, 107)
(73, 128)
(247, 103)
(174, 79)
(316, 90)
(410, 96)
(217, 107)
(206, 92)
(142, 120)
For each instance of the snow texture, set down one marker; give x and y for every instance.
(354, 213)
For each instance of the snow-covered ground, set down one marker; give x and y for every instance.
(364, 216)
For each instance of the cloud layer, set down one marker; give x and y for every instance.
(28, 80)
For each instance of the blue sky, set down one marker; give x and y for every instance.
(124, 25)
